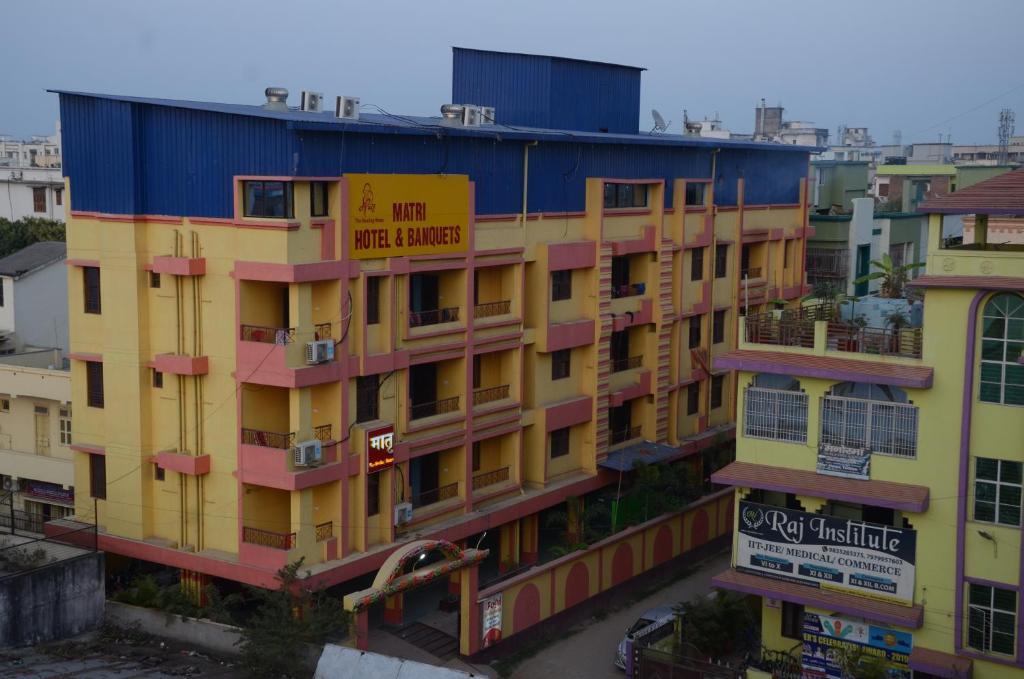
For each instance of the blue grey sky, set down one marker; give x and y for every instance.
(920, 66)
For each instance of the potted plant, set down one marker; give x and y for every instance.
(851, 340)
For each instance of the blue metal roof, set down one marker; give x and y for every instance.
(549, 56)
(647, 452)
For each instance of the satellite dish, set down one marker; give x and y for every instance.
(659, 122)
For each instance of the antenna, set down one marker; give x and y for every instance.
(659, 122)
(1006, 128)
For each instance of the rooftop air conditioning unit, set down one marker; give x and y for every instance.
(319, 351)
(403, 513)
(471, 115)
(347, 107)
(487, 115)
(308, 453)
(312, 101)
(11, 484)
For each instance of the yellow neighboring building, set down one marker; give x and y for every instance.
(879, 472)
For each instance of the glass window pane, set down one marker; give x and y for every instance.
(992, 350)
(1014, 374)
(980, 595)
(1004, 600)
(985, 492)
(1002, 643)
(991, 372)
(1015, 329)
(986, 468)
(990, 393)
(1009, 514)
(1014, 396)
(993, 327)
(1010, 472)
(609, 195)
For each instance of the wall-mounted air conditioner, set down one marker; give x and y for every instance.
(403, 513)
(312, 101)
(347, 107)
(470, 115)
(319, 351)
(308, 453)
(11, 484)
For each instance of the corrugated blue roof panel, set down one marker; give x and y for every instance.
(548, 92)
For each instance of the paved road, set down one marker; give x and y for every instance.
(588, 653)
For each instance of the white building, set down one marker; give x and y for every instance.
(31, 192)
(34, 300)
(39, 151)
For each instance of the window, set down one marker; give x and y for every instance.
(991, 619)
(98, 476)
(39, 198)
(268, 199)
(154, 279)
(91, 281)
(717, 384)
(787, 254)
(775, 410)
(1002, 377)
(561, 285)
(373, 300)
(718, 327)
(878, 422)
(65, 426)
(625, 195)
(373, 494)
(477, 370)
(5, 405)
(696, 264)
(94, 383)
(367, 398)
(721, 260)
(58, 196)
(792, 620)
(997, 491)
(1, 292)
(561, 362)
(158, 379)
(318, 199)
(692, 398)
(695, 332)
(559, 442)
(476, 456)
(695, 193)
(159, 473)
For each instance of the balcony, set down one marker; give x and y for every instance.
(796, 328)
(267, 334)
(268, 439)
(491, 309)
(623, 364)
(904, 342)
(324, 531)
(431, 408)
(419, 319)
(827, 265)
(628, 290)
(267, 538)
(627, 434)
(787, 328)
(489, 395)
(436, 495)
(750, 272)
(490, 478)
(280, 356)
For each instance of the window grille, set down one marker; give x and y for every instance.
(775, 414)
(883, 428)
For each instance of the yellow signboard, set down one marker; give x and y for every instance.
(393, 215)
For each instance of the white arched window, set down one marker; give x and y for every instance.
(1002, 344)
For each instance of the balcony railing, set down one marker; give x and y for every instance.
(419, 319)
(490, 394)
(751, 272)
(324, 531)
(788, 328)
(430, 497)
(622, 435)
(621, 364)
(882, 341)
(268, 439)
(267, 538)
(431, 408)
(267, 334)
(488, 309)
(324, 432)
(827, 263)
(628, 290)
(490, 478)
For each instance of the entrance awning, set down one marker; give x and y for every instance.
(625, 459)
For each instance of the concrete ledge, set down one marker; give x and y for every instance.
(206, 634)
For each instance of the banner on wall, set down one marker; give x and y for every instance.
(826, 551)
(395, 215)
(826, 638)
(491, 620)
(850, 463)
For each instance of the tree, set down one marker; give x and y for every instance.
(718, 626)
(856, 664)
(284, 621)
(16, 235)
(893, 277)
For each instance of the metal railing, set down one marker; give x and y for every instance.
(324, 531)
(267, 334)
(268, 439)
(883, 341)
(430, 497)
(419, 319)
(490, 394)
(490, 478)
(431, 408)
(827, 263)
(628, 290)
(882, 427)
(620, 364)
(623, 435)
(488, 309)
(268, 538)
(751, 272)
(789, 327)
(323, 433)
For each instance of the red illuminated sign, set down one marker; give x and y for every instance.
(380, 446)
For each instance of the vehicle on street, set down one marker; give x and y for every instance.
(651, 619)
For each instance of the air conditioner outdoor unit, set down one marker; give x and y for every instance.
(312, 101)
(319, 351)
(470, 115)
(13, 485)
(403, 513)
(347, 107)
(487, 115)
(308, 453)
